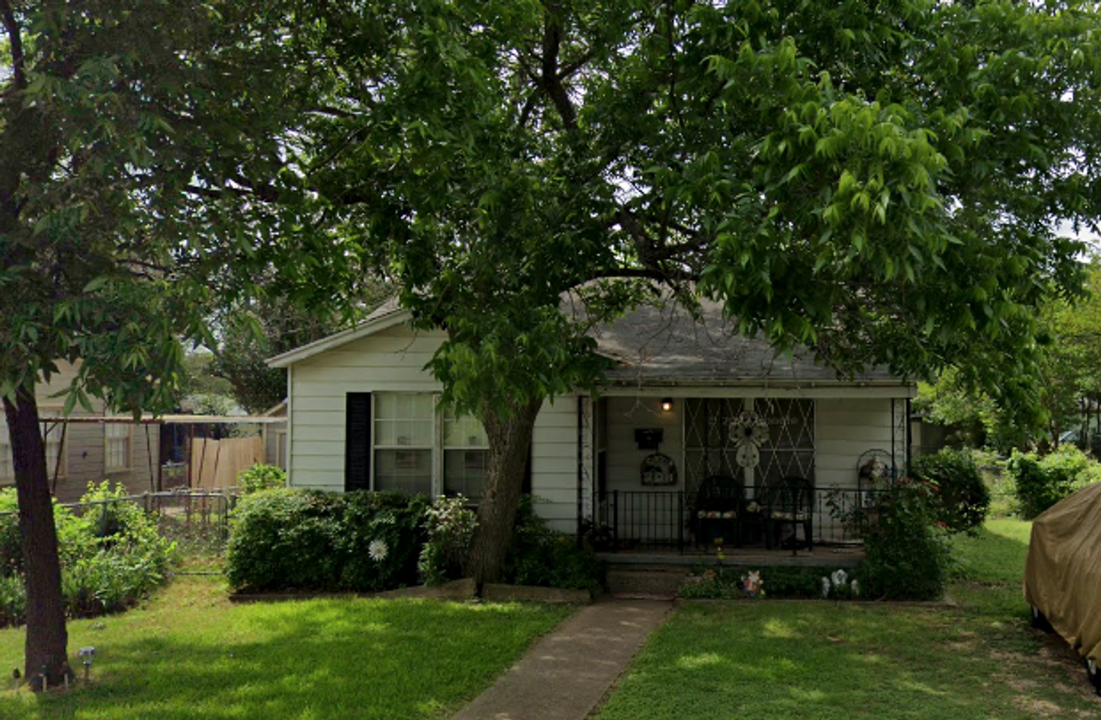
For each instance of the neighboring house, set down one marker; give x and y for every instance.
(275, 436)
(361, 412)
(86, 447)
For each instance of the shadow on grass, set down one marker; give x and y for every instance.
(320, 660)
(991, 568)
(820, 660)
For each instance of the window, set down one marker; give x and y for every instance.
(403, 440)
(53, 436)
(412, 446)
(465, 456)
(117, 442)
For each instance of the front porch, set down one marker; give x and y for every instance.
(765, 479)
(748, 522)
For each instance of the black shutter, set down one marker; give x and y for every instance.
(526, 487)
(357, 442)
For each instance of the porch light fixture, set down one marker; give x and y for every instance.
(667, 404)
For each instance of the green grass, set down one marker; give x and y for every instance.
(191, 654)
(825, 660)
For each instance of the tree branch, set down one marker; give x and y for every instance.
(16, 41)
(551, 82)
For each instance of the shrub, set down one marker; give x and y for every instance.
(906, 555)
(961, 498)
(261, 477)
(540, 556)
(283, 539)
(11, 542)
(311, 540)
(381, 541)
(450, 526)
(111, 555)
(110, 581)
(13, 600)
(1039, 484)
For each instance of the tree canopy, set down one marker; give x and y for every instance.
(141, 145)
(1068, 381)
(879, 181)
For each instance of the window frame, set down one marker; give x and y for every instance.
(445, 448)
(107, 468)
(438, 446)
(376, 401)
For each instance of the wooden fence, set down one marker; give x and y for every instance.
(216, 463)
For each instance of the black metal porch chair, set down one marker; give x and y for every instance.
(790, 502)
(718, 509)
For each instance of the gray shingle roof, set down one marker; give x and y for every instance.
(655, 344)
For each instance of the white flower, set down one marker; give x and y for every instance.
(825, 587)
(856, 588)
(378, 550)
(839, 578)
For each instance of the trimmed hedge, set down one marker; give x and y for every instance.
(316, 541)
(308, 540)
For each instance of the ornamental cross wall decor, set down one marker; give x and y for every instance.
(748, 431)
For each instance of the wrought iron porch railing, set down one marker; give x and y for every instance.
(669, 520)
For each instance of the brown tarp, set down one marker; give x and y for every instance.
(1063, 571)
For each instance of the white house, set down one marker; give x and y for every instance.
(689, 400)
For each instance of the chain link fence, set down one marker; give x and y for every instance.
(195, 519)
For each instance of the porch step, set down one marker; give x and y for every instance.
(640, 581)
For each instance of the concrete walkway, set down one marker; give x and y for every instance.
(567, 673)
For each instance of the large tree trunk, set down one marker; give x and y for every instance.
(45, 652)
(509, 446)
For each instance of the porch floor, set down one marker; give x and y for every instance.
(825, 556)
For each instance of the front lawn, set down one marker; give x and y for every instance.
(824, 660)
(191, 654)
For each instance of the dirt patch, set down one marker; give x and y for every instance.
(964, 642)
(1038, 708)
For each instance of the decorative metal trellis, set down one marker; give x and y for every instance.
(708, 447)
(789, 451)
(711, 449)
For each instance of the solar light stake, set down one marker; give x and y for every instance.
(86, 656)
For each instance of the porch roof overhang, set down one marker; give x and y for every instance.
(735, 389)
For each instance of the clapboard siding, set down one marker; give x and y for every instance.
(554, 463)
(393, 360)
(846, 428)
